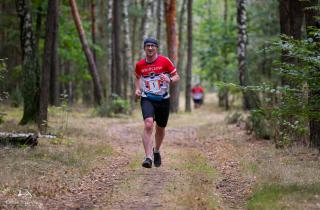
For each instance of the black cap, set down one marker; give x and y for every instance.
(150, 41)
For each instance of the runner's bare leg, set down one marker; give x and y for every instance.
(146, 139)
(159, 136)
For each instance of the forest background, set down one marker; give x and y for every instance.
(66, 69)
(263, 53)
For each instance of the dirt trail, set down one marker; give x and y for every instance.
(200, 168)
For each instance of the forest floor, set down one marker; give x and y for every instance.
(207, 164)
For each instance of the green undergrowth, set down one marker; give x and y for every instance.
(270, 197)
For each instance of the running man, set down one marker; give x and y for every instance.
(197, 95)
(154, 74)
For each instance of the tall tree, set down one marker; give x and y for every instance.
(189, 62)
(159, 20)
(225, 90)
(291, 17)
(181, 34)
(116, 74)
(312, 24)
(134, 27)
(54, 87)
(93, 27)
(127, 62)
(30, 63)
(170, 15)
(87, 51)
(50, 60)
(146, 5)
(242, 51)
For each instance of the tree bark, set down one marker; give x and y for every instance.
(88, 53)
(93, 28)
(18, 139)
(181, 48)
(159, 20)
(116, 58)
(30, 64)
(314, 93)
(170, 14)
(145, 19)
(225, 90)
(127, 65)
(49, 61)
(291, 17)
(189, 62)
(242, 48)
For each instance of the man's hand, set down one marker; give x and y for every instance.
(138, 92)
(164, 77)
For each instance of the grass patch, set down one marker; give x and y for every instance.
(135, 162)
(194, 187)
(278, 196)
(197, 164)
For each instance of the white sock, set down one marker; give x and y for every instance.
(150, 158)
(156, 151)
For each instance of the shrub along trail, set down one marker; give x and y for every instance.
(206, 165)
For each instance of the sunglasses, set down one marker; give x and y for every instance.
(151, 45)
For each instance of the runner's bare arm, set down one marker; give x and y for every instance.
(175, 78)
(137, 86)
(172, 79)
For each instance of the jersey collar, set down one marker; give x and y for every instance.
(151, 61)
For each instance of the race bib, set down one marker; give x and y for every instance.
(153, 85)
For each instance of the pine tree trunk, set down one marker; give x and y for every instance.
(49, 61)
(127, 66)
(225, 90)
(144, 27)
(30, 64)
(109, 50)
(291, 17)
(170, 14)
(314, 93)
(88, 53)
(242, 51)
(116, 50)
(189, 61)
(181, 48)
(159, 20)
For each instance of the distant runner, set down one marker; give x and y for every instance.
(154, 74)
(197, 95)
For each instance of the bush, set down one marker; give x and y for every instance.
(113, 107)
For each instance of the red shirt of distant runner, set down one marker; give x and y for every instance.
(149, 74)
(197, 92)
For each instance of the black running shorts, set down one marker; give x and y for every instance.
(197, 101)
(158, 110)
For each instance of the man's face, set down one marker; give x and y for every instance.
(150, 49)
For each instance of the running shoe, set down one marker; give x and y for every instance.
(157, 159)
(147, 163)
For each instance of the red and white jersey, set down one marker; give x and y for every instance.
(148, 73)
(197, 92)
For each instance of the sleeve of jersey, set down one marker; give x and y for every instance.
(137, 72)
(171, 68)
